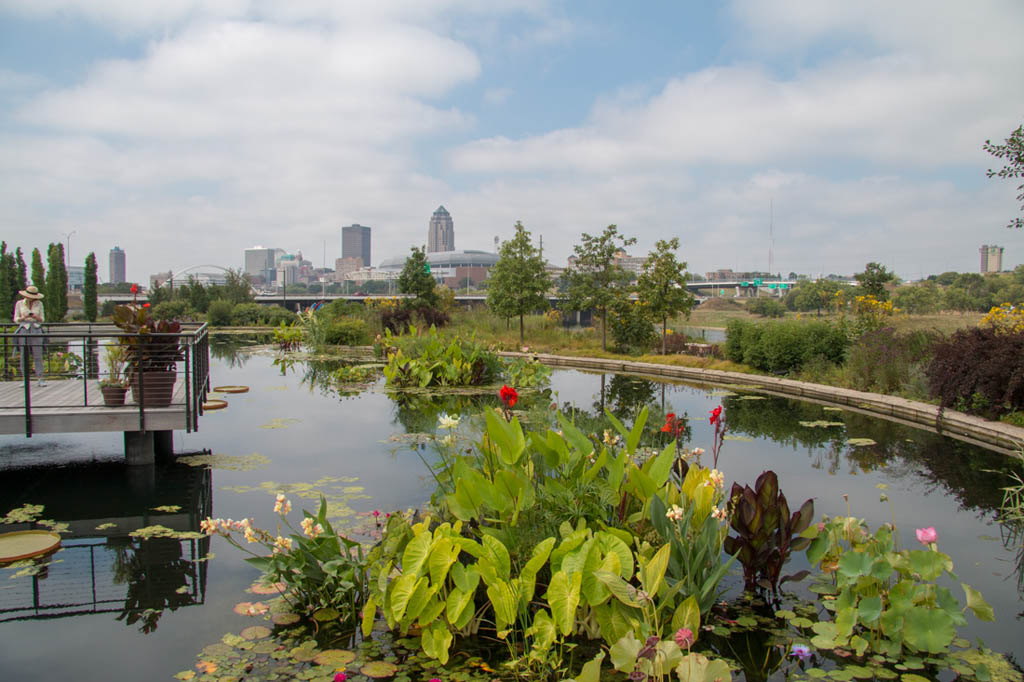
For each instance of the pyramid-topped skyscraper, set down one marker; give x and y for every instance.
(441, 236)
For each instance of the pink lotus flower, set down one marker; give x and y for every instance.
(927, 536)
(376, 513)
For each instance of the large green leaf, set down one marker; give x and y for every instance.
(498, 554)
(436, 641)
(622, 590)
(418, 600)
(400, 592)
(659, 468)
(457, 607)
(563, 596)
(505, 602)
(687, 615)
(539, 556)
(869, 609)
(977, 603)
(443, 554)
(653, 572)
(416, 552)
(926, 563)
(508, 436)
(543, 632)
(591, 671)
(623, 653)
(854, 564)
(928, 629)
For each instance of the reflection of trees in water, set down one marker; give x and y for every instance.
(973, 475)
(228, 348)
(158, 578)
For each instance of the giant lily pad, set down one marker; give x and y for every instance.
(334, 657)
(255, 632)
(379, 669)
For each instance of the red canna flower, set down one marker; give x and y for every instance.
(670, 423)
(716, 415)
(145, 305)
(134, 289)
(508, 396)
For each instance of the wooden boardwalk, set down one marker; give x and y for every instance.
(74, 406)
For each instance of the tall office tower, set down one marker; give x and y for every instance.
(441, 236)
(259, 265)
(355, 243)
(991, 258)
(116, 266)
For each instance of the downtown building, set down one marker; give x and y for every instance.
(355, 243)
(441, 234)
(991, 258)
(117, 266)
(261, 265)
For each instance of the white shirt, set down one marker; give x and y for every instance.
(25, 308)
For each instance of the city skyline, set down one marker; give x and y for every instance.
(853, 132)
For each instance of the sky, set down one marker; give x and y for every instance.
(827, 133)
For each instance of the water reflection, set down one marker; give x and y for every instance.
(102, 567)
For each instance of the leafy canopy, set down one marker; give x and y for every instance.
(415, 279)
(1013, 153)
(873, 280)
(662, 284)
(518, 281)
(596, 280)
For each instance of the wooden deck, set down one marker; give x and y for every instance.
(74, 406)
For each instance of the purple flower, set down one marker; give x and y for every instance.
(801, 651)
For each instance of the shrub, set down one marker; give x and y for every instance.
(342, 308)
(433, 317)
(347, 331)
(171, 310)
(767, 307)
(395, 320)
(107, 309)
(218, 314)
(979, 370)
(631, 328)
(274, 315)
(250, 314)
(885, 361)
(781, 347)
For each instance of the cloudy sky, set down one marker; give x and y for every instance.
(187, 130)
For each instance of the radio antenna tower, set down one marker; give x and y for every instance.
(771, 232)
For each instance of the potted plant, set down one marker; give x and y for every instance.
(152, 350)
(114, 385)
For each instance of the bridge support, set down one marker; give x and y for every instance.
(163, 444)
(138, 447)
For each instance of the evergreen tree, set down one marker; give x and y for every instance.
(52, 302)
(6, 292)
(89, 298)
(662, 285)
(873, 280)
(38, 274)
(62, 271)
(519, 280)
(22, 270)
(596, 280)
(416, 279)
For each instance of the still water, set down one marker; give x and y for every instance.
(113, 607)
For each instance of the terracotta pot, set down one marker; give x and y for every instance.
(158, 388)
(113, 396)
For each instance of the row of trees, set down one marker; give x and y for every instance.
(51, 281)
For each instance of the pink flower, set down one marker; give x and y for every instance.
(926, 536)
(684, 638)
(435, 679)
(376, 513)
(340, 677)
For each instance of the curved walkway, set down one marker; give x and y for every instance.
(990, 434)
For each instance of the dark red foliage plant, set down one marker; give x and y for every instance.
(979, 370)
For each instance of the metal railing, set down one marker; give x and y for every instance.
(73, 352)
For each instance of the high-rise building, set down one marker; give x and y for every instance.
(355, 243)
(260, 265)
(441, 236)
(991, 258)
(116, 266)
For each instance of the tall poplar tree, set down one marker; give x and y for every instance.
(518, 281)
(596, 280)
(55, 301)
(22, 270)
(662, 285)
(89, 298)
(6, 284)
(38, 274)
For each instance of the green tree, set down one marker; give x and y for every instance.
(7, 293)
(1013, 153)
(52, 307)
(596, 280)
(873, 280)
(918, 299)
(22, 270)
(662, 285)
(416, 279)
(89, 298)
(38, 274)
(519, 280)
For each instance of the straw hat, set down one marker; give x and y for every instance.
(31, 292)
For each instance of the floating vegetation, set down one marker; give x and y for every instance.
(833, 409)
(106, 526)
(752, 397)
(379, 669)
(55, 526)
(338, 491)
(251, 608)
(24, 514)
(280, 423)
(261, 588)
(858, 442)
(29, 568)
(255, 632)
(169, 508)
(275, 388)
(821, 424)
(158, 531)
(744, 439)
(249, 462)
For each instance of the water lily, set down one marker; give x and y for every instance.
(927, 536)
(376, 513)
(340, 677)
(446, 422)
(801, 651)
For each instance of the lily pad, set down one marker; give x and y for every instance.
(279, 423)
(255, 632)
(285, 618)
(247, 608)
(274, 588)
(744, 439)
(169, 508)
(249, 462)
(379, 669)
(857, 442)
(108, 526)
(334, 657)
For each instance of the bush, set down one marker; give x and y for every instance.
(274, 315)
(885, 361)
(342, 308)
(171, 310)
(250, 314)
(218, 314)
(347, 331)
(632, 330)
(979, 370)
(781, 347)
(433, 317)
(107, 309)
(395, 320)
(767, 307)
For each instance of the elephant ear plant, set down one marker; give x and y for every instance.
(766, 533)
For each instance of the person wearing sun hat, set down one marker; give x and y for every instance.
(28, 315)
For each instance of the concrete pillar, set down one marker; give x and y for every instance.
(142, 480)
(138, 447)
(163, 444)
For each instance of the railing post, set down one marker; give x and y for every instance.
(188, 390)
(27, 382)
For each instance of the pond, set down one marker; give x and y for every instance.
(113, 606)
